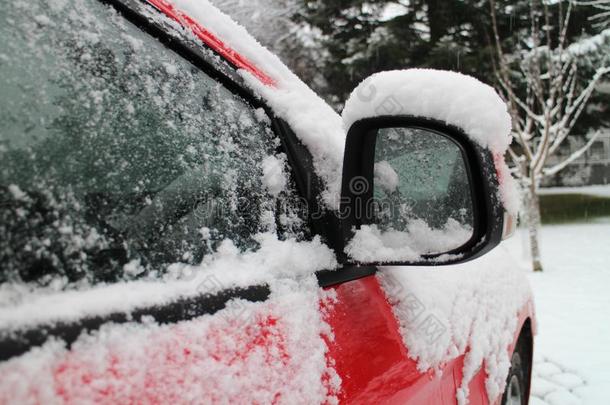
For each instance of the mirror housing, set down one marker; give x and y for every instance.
(358, 183)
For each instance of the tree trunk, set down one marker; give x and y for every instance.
(533, 223)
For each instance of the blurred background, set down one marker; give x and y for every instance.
(550, 61)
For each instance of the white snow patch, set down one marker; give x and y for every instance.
(133, 268)
(262, 116)
(589, 45)
(508, 187)
(205, 233)
(135, 43)
(597, 190)
(227, 268)
(170, 68)
(269, 352)
(371, 244)
(470, 308)
(451, 97)
(571, 354)
(42, 20)
(274, 175)
(385, 176)
(17, 193)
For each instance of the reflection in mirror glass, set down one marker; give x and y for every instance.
(422, 200)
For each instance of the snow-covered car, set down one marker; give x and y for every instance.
(184, 221)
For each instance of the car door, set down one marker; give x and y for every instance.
(153, 245)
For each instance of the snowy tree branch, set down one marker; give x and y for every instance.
(578, 153)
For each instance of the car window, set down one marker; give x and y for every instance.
(118, 157)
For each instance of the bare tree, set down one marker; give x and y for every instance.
(539, 81)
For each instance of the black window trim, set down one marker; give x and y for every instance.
(17, 342)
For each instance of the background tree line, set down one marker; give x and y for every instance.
(334, 44)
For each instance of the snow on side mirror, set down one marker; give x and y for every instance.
(424, 181)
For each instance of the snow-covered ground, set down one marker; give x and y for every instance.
(600, 190)
(572, 352)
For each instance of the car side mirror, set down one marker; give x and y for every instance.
(419, 189)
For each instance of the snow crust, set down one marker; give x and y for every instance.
(226, 268)
(453, 98)
(371, 244)
(597, 190)
(315, 123)
(470, 308)
(386, 176)
(270, 352)
(274, 176)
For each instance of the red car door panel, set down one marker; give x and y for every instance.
(368, 351)
(243, 354)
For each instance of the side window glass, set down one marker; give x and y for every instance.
(118, 157)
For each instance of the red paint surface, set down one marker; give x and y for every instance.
(476, 387)
(168, 365)
(369, 354)
(82, 376)
(231, 56)
(372, 361)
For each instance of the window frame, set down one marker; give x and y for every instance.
(144, 18)
(309, 185)
(299, 160)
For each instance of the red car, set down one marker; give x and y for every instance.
(184, 220)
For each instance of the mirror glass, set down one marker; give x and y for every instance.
(422, 198)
